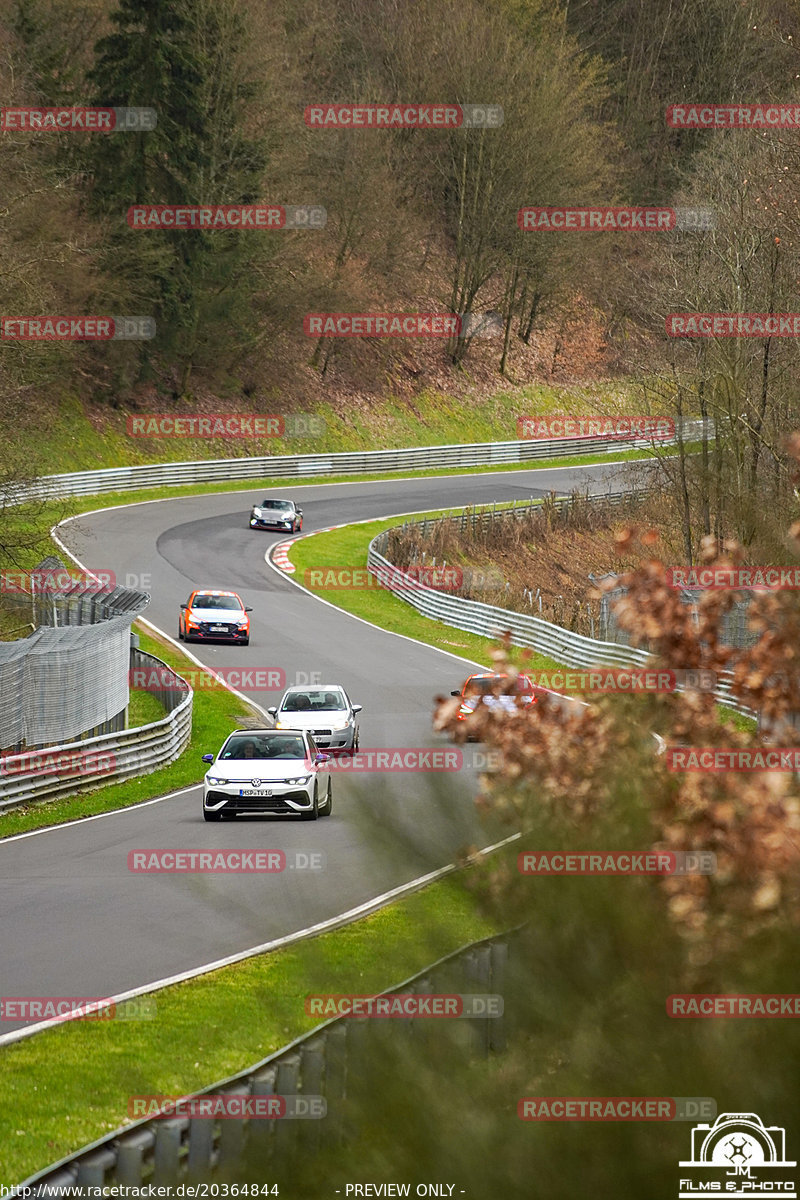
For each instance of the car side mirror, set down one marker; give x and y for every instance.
(273, 712)
(248, 610)
(299, 512)
(456, 692)
(209, 758)
(321, 758)
(357, 708)
(184, 606)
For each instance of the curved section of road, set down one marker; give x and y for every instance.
(76, 922)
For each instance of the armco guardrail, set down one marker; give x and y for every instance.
(488, 620)
(305, 466)
(73, 767)
(173, 1150)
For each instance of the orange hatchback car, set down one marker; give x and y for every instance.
(209, 616)
(482, 688)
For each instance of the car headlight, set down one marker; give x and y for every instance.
(345, 724)
(301, 779)
(283, 725)
(214, 780)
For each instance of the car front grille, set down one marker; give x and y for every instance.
(228, 629)
(273, 804)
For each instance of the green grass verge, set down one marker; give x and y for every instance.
(347, 547)
(68, 1086)
(144, 708)
(68, 439)
(215, 713)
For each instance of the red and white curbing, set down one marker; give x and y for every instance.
(280, 556)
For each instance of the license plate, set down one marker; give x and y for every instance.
(254, 792)
(218, 629)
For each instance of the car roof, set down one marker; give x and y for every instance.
(212, 592)
(311, 687)
(261, 732)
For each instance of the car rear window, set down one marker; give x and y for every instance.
(326, 700)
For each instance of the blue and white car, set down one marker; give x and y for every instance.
(267, 772)
(273, 513)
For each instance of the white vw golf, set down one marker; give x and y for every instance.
(266, 772)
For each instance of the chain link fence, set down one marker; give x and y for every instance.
(733, 629)
(69, 679)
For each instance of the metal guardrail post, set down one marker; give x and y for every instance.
(131, 1150)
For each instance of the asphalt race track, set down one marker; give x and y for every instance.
(77, 922)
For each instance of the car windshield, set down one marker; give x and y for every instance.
(216, 602)
(485, 684)
(280, 505)
(264, 746)
(481, 686)
(314, 700)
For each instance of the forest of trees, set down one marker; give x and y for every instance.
(417, 221)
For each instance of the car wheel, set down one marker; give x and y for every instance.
(328, 809)
(211, 816)
(356, 742)
(180, 634)
(245, 641)
(314, 814)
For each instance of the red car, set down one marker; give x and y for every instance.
(479, 689)
(209, 616)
